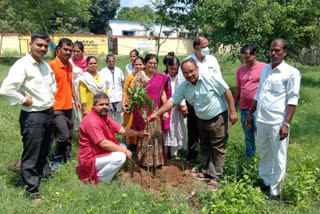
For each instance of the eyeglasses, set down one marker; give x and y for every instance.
(152, 63)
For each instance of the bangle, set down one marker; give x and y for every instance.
(286, 124)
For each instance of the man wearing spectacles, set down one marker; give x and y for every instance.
(248, 77)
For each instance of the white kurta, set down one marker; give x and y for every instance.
(176, 135)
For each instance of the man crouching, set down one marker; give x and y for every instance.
(100, 154)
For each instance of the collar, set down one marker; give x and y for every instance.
(60, 64)
(279, 68)
(32, 60)
(199, 79)
(193, 56)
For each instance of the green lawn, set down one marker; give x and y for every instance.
(64, 193)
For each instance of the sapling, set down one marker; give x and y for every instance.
(138, 98)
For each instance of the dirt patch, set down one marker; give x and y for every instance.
(193, 202)
(174, 174)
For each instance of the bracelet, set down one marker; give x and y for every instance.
(286, 124)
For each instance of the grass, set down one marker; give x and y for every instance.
(64, 193)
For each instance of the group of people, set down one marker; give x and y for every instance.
(69, 93)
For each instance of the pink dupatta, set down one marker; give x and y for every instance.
(82, 63)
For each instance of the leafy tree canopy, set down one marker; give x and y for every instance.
(258, 22)
(54, 16)
(101, 11)
(140, 14)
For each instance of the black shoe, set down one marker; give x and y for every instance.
(274, 198)
(264, 188)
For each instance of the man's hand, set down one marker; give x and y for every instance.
(284, 131)
(28, 101)
(165, 116)
(152, 117)
(143, 133)
(78, 105)
(128, 154)
(233, 117)
(184, 110)
(247, 122)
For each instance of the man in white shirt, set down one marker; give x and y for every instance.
(275, 101)
(205, 62)
(114, 79)
(31, 84)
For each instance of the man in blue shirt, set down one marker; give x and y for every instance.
(210, 96)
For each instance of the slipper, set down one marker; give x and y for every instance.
(213, 185)
(200, 176)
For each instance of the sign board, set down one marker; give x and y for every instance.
(144, 45)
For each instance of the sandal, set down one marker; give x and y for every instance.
(213, 185)
(202, 177)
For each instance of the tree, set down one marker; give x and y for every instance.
(140, 14)
(258, 22)
(101, 11)
(172, 14)
(25, 16)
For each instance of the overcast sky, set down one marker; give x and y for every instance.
(134, 3)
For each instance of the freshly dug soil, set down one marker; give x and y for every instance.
(174, 174)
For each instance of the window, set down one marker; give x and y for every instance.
(128, 33)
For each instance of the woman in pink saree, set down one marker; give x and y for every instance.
(150, 150)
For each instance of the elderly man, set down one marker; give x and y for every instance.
(205, 62)
(248, 77)
(210, 96)
(100, 154)
(276, 99)
(31, 85)
(63, 102)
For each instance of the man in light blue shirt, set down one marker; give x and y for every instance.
(210, 96)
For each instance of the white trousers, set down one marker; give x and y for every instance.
(273, 155)
(108, 166)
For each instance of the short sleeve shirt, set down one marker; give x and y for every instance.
(114, 80)
(248, 81)
(92, 133)
(63, 74)
(207, 96)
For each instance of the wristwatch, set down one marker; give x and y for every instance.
(286, 124)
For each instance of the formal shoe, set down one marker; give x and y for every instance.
(274, 198)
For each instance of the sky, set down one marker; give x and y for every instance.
(134, 3)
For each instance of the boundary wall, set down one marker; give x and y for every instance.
(14, 43)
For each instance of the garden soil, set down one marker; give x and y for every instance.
(174, 174)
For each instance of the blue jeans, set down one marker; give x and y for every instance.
(249, 133)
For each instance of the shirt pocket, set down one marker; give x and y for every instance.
(205, 98)
(277, 87)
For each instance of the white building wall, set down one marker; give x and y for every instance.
(118, 26)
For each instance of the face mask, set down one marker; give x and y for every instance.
(205, 51)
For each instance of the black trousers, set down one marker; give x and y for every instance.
(193, 133)
(37, 130)
(64, 132)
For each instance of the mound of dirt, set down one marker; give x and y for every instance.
(174, 174)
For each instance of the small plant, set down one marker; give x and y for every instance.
(138, 98)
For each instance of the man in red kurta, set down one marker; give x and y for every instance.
(100, 154)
